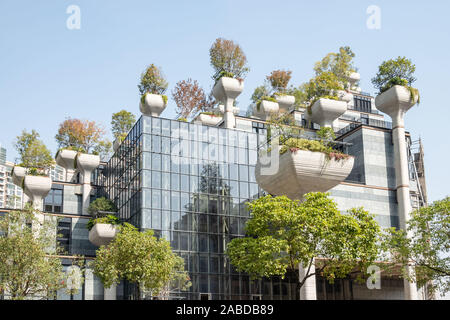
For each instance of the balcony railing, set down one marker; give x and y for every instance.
(368, 122)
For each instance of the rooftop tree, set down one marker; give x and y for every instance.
(393, 72)
(283, 233)
(279, 80)
(228, 59)
(424, 245)
(152, 81)
(142, 259)
(82, 135)
(190, 98)
(121, 123)
(33, 153)
(339, 63)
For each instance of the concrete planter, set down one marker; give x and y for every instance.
(37, 188)
(301, 171)
(266, 109)
(87, 163)
(66, 159)
(395, 100)
(222, 109)
(353, 78)
(208, 119)
(102, 234)
(285, 102)
(325, 111)
(153, 105)
(226, 90)
(18, 174)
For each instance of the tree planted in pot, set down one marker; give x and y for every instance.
(152, 87)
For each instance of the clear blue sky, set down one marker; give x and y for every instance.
(48, 72)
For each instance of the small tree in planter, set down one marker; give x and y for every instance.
(142, 259)
(152, 87)
(102, 225)
(396, 72)
(228, 60)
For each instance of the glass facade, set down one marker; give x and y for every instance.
(190, 183)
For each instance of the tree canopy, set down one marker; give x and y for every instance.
(152, 81)
(82, 135)
(283, 233)
(32, 151)
(228, 59)
(142, 259)
(28, 263)
(424, 245)
(121, 123)
(392, 72)
(190, 97)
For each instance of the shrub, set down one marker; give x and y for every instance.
(108, 219)
(101, 204)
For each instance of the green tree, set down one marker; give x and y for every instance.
(152, 81)
(101, 205)
(340, 64)
(228, 59)
(425, 245)
(33, 152)
(283, 233)
(28, 263)
(121, 123)
(142, 259)
(394, 72)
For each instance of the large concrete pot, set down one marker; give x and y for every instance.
(152, 105)
(66, 159)
(266, 109)
(395, 102)
(222, 109)
(353, 78)
(87, 163)
(325, 111)
(18, 174)
(345, 96)
(300, 172)
(226, 90)
(102, 233)
(208, 119)
(285, 102)
(37, 188)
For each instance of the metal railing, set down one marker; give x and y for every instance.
(368, 122)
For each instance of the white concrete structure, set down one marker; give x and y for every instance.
(345, 96)
(86, 164)
(396, 102)
(266, 109)
(18, 174)
(302, 171)
(102, 234)
(325, 111)
(285, 102)
(222, 109)
(226, 90)
(152, 105)
(208, 119)
(66, 159)
(37, 188)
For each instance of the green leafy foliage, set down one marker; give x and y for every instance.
(33, 153)
(108, 219)
(425, 245)
(228, 60)
(121, 123)
(101, 204)
(29, 266)
(140, 258)
(282, 233)
(152, 81)
(340, 64)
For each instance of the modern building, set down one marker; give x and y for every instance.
(189, 182)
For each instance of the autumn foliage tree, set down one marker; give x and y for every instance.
(190, 97)
(279, 80)
(82, 135)
(228, 59)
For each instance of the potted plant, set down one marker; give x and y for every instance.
(396, 95)
(65, 158)
(104, 222)
(152, 88)
(279, 80)
(324, 105)
(300, 165)
(229, 63)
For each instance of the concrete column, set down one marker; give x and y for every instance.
(88, 284)
(86, 164)
(308, 290)
(110, 293)
(229, 118)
